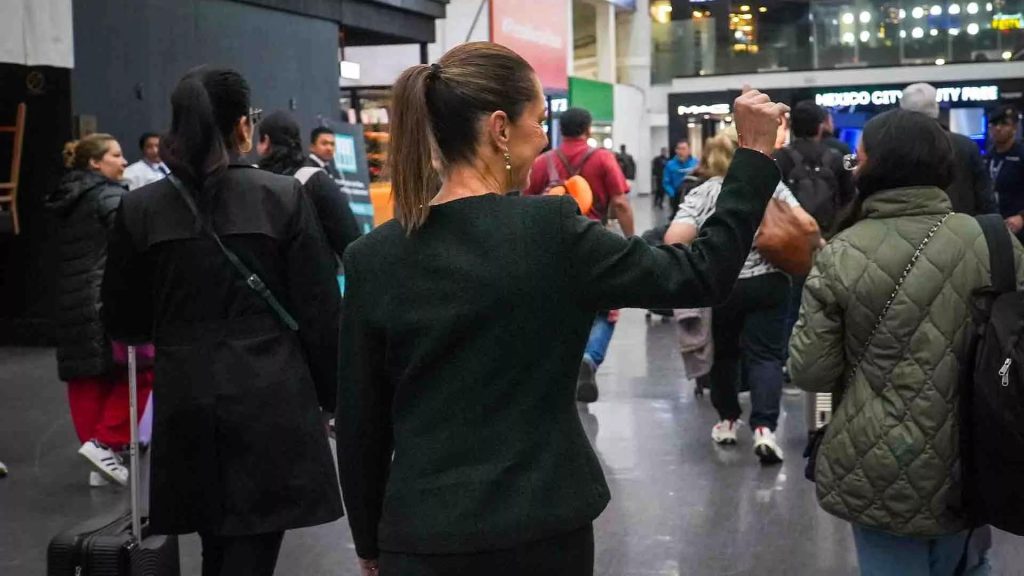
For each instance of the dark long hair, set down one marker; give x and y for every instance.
(436, 116)
(904, 149)
(205, 107)
(285, 155)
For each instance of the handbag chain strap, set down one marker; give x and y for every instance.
(892, 297)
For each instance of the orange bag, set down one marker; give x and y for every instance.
(575, 185)
(788, 238)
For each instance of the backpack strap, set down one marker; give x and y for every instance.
(583, 161)
(305, 173)
(554, 178)
(1000, 250)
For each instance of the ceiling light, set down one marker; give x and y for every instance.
(917, 32)
(917, 12)
(954, 9)
(865, 36)
(745, 8)
(954, 31)
(933, 32)
(762, 9)
(940, 62)
(972, 8)
(973, 28)
(865, 17)
(848, 18)
(903, 33)
(936, 10)
(988, 6)
(848, 38)
(1007, 55)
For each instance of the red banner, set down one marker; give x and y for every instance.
(538, 31)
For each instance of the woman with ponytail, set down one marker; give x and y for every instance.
(85, 205)
(459, 444)
(245, 361)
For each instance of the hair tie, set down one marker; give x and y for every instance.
(435, 69)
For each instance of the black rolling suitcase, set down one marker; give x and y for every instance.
(110, 545)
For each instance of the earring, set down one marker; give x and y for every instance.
(508, 162)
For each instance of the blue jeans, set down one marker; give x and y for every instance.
(600, 337)
(883, 554)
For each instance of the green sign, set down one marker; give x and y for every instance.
(598, 98)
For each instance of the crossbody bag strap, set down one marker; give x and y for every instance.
(252, 280)
(1000, 249)
(892, 298)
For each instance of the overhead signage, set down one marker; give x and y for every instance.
(1002, 21)
(538, 31)
(950, 95)
(703, 109)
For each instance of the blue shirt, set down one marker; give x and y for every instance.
(675, 171)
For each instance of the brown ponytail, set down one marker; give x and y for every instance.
(436, 112)
(78, 153)
(413, 177)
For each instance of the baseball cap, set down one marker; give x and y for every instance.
(1005, 114)
(920, 97)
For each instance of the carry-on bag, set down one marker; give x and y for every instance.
(116, 544)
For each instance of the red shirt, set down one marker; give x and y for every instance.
(601, 171)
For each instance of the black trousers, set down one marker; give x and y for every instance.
(749, 332)
(570, 554)
(250, 555)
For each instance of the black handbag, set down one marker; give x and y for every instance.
(818, 436)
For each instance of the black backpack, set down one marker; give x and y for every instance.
(815, 185)
(992, 393)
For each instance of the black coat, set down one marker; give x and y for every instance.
(85, 203)
(238, 442)
(333, 209)
(971, 191)
(457, 422)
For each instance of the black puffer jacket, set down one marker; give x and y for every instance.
(85, 203)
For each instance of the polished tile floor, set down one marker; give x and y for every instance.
(680, 505)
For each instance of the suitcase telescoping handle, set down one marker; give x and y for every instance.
(133, 401)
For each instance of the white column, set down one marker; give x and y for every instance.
(607, 55)
(633, 101)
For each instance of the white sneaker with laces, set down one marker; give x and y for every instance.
(96, 480)
(765, 446)
(725, 432)
(105, 461)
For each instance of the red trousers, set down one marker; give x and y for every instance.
(99, 406)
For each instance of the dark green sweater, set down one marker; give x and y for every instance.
(457, 422)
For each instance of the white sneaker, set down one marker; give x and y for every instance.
(96, 480)
(725, 432)
(765, 446)
(105, 461)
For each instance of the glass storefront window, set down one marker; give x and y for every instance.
(748, 36)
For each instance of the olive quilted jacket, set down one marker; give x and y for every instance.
(890, 457)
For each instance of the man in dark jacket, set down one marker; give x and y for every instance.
(1005, 167)
(971, 190)
(657, 173)
(321, 151)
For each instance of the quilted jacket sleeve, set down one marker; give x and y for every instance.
(817, 359)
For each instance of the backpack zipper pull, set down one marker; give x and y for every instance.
(1004, 372)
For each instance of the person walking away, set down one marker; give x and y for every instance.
(815, 174)
(657, 174)
(321, 151)
(601, 171)
(460, 446)
(828, 135)
(626, 163)
(236, 284)
(85, 204)
(280, 152)
(149, 168)
(882, 328)
(1005, 168)
(678, 168)
(971, 190)
(748, 329)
